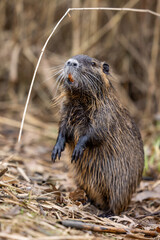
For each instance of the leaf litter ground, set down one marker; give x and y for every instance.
(39, 200)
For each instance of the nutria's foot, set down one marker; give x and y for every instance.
(77, 153)
(79, 148)
(88, 200)
(58, 148)
(107, 214)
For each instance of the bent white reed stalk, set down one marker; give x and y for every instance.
(54, 29)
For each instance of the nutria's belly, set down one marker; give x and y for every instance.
(91, 175)
(94, 193)
(108, 181)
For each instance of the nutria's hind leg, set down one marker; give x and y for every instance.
(107, 214)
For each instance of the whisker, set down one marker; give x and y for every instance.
(96, 81)
(95, 84)
(95, 77)
(59, 81)
(56, 68)
(91, 85)
(58, 72)
(53, 75)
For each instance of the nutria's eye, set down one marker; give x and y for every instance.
(93, 64)
(105, 68)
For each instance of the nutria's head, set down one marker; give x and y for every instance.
(83, 74)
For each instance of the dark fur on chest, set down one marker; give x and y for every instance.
(77, 117)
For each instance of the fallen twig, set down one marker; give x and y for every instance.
(92, 227)
(109, 229)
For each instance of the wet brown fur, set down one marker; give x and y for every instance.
(111, 166)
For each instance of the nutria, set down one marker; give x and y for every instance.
(103, 140)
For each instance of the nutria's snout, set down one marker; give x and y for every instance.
(70, 69)
(72, 63)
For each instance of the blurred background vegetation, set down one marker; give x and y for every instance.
(129, 42)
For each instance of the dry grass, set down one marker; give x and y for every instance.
(37, 199)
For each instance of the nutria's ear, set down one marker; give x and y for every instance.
(105, 68)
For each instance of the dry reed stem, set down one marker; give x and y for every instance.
(153, 62)
(114, 20)
(54, 29)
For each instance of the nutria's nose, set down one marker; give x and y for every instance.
(72, 62)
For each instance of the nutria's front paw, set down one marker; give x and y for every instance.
(77, 153)
(58, 148)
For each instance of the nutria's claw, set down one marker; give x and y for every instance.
(54, 153)
(77, 154)
(58, 148)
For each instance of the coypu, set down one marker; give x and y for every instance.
(104, 142)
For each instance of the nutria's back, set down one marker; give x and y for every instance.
(104, 142)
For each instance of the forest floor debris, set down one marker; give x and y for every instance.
(39, 200)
